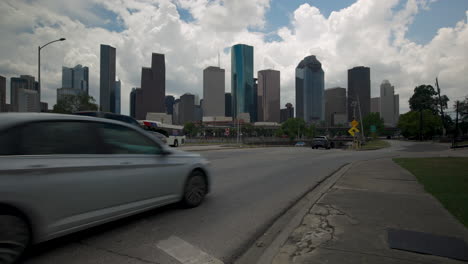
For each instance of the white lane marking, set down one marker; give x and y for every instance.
(186, 253)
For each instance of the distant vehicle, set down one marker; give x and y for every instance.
(300, 144)
(158, 135)
(113, 116)
(320, 142)
(174, 134)
(64, 173)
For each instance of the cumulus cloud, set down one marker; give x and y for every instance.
(369, 32)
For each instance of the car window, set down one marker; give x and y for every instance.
(123, 140)
(8, 142)
(58, 137)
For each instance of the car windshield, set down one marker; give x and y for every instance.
(233, 131)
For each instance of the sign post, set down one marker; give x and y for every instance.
(353, 132)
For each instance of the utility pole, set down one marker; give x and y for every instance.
(441, 108)
(360, 117)
(455, 135)
(420, 124)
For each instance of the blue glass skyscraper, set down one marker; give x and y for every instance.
(310, 79)
(242, 81)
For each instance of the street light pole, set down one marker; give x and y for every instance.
(39, 65)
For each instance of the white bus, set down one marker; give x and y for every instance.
(174, 134)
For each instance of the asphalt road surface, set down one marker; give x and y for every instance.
(251, 188)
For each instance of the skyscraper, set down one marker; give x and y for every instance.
(175, 112)
(242, 81)
(2, 94)
(227, 104)
(335, 103)
(118, 87)
(27, 87)
(139, 104)
(268, 96)
(375, 105)
(186, 108)
(213, 91)
(359, 91)
(76, 77)
(169, 102)
(287, 112)
(133, 102)
(153, 85)
(107, 79)
(310, 103)
(389, 105)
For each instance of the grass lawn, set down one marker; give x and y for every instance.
(444, 178)
(375, 144)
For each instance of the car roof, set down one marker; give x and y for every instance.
(12, 119)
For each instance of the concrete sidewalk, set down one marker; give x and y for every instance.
(349, 223)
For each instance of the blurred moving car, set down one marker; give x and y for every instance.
(64, 173)
(320, 142)
(113, 116)
(300, 144)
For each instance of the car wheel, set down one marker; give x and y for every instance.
(195, 190)
(14, 238)
(176, 143)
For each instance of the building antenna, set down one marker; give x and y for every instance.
(219, 64)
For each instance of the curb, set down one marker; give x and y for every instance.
(265, 248)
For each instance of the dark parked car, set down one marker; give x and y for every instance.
(320, 142)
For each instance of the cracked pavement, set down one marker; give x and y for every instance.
(348, 223)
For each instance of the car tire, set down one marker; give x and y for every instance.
(195, 190)
(15, 237)
(176, 143)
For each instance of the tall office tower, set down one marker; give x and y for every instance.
(133, 102)
(310, 83)
(242, 81)
(389, 105)
(107, 79)
(118, 87)
(169, 103)
(227, 104)
(76, 77)
(2, 94)
(153, 84)
(268, 96)
(359, 92)
(375, 105)
(28, 88)
(213, 91)
(175, 112)
(186, 109)
(335, 103)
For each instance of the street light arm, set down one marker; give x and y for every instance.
(62, 39)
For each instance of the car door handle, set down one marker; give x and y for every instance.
(36, 166)
(125, 163)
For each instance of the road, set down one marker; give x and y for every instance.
(251, 188)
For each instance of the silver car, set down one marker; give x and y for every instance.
(63, 173)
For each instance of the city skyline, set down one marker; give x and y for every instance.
(404, 61)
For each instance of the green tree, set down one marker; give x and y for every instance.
(294, 127)
(310, 131)
(373, 119)
(190, 129)
(247, 129)
(69, 104)
(462, 114)
(409, 124)
(425, 97)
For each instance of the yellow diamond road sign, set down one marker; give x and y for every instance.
(354, 123)
(353, 130)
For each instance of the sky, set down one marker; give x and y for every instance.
(408, 42)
